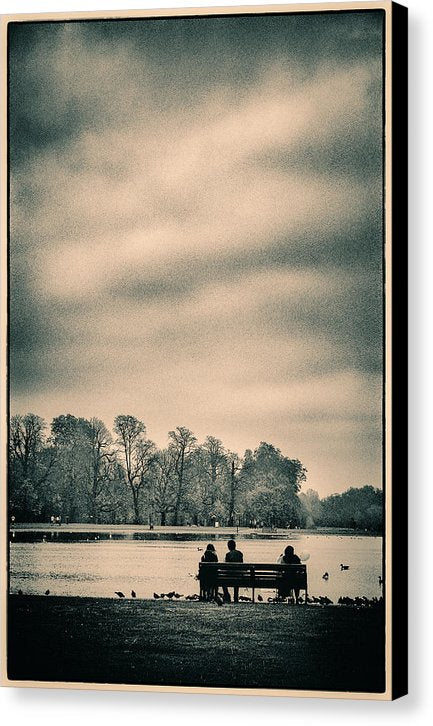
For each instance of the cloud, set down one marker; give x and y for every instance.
(196, 228)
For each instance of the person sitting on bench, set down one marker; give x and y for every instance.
(210, 556)
(233, 555)
(289, 558)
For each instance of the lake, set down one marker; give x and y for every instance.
(98, 568)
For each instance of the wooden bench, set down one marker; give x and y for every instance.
(256, 576)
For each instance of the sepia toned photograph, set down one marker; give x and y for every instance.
(199, 317)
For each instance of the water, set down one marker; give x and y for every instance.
(98, 568)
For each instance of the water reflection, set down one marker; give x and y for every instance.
(98, 568)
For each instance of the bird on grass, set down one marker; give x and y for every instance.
(325, 576)
(325, 601)
(119, 594)
(133, 593)
(47, 592)
(344, 567)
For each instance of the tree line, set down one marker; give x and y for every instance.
(77, 469)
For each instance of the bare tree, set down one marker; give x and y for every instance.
(138, 454)
(163, 489)
(182, 445)
(211, 468)
(27, 441)
(31, 461)
(101, 470)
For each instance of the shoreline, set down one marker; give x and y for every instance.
(29, 531)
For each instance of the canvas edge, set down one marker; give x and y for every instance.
(396, 296)
(399, 335)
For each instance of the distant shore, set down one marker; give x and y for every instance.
(195, 644)
(143, 531)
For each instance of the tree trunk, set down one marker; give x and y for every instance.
(232, 496)
(179, 491)
(137, 518)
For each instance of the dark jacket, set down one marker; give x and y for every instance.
(234, 556)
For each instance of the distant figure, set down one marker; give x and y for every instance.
(210, 593)
(325, 576)
(58, 521)
(133, 593)
(52, 520)
(233, 555)
(289, 558)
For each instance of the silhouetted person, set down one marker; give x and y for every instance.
(210, 556)
(289, 558)
(233, 555)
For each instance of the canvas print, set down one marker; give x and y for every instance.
(197, 348)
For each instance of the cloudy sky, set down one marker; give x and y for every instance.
(196, 230)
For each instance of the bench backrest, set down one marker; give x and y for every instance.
(247, 574)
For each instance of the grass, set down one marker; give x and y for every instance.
(195, 644)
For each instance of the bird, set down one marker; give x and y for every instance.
(133, 593)
(380, 580)
(344, 567)
(156, 596)
(119, 594)
(47, 592)
(199, 549)
(170, 594)
(325, 601)
(259, 598)
(325, 576)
